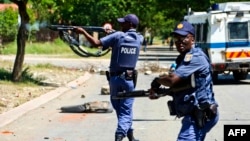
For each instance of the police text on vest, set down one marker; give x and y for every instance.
(125, 50)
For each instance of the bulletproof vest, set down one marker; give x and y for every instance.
(128, 50)
(202, 93)
(203, 80)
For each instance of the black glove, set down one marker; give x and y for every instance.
(155, 85)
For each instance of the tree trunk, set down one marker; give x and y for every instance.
(21, 40)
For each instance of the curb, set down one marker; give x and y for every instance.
(13, 114)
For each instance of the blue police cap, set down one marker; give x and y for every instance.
(184, 28)
(132, 18)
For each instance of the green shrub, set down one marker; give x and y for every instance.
(8, 24)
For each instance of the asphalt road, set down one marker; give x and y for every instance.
(40, 119)
(151, 119)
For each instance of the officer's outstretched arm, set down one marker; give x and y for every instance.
(91, 39)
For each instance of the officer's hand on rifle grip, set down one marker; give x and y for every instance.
(155, 85)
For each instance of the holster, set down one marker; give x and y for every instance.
(131, 75)
(107, 75)
(171, 108)
(135, 75)
(204, 114)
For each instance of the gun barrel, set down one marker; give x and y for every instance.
(137, 93)
(93, 28)
(69, 27)
(65, 28)
(141, 93)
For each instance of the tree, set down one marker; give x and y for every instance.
(21, 39)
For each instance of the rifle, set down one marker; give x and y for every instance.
(142, 93)
(71, 39)
(68, 27)
(185, 85)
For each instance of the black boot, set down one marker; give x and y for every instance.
(131, 137)
(118, 137)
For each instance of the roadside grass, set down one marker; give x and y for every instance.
(56, 48)
(36, 81)
(27, 74)
(27, 78)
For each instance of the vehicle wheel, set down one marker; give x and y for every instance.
(240, 75)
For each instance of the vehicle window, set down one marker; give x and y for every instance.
(238, 30)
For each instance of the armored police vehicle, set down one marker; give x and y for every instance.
(223, 34)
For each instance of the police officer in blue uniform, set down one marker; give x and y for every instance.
(125, 46)
(196, 104)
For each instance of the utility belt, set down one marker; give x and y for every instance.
(201, 114)
(127, 75)
(119, 73)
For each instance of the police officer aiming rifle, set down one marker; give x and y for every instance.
(125, 46)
